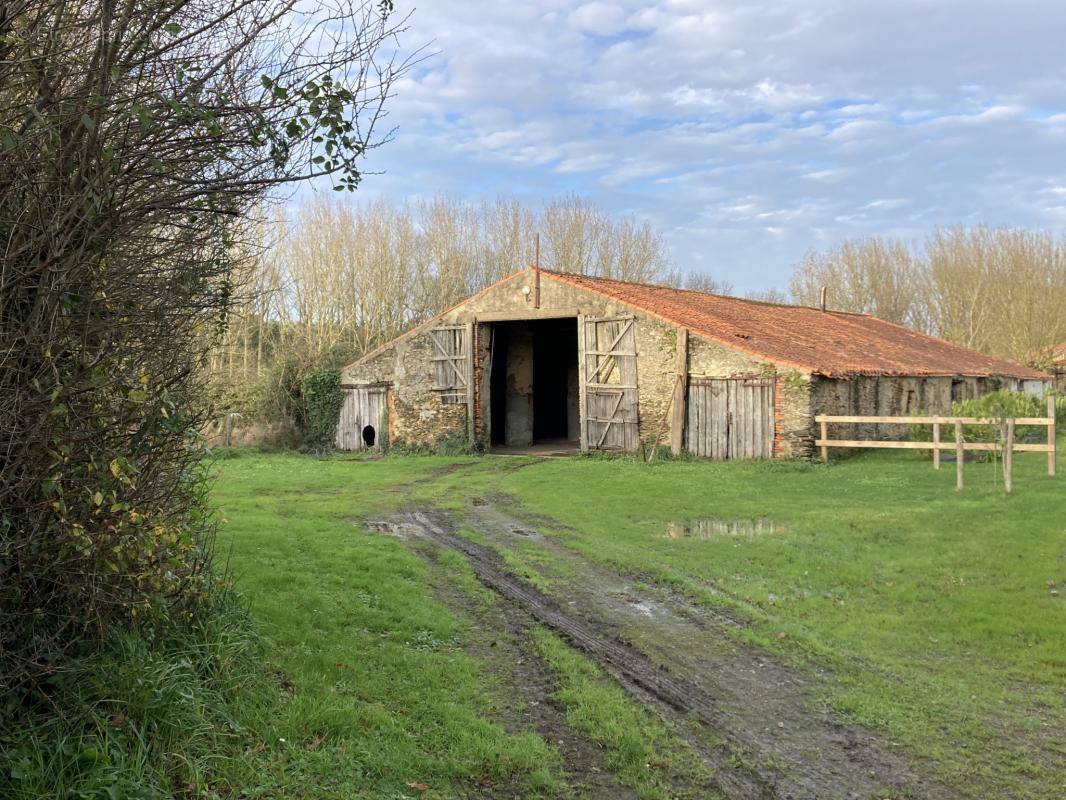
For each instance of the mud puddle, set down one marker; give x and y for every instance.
(754, 720)
(713, 528)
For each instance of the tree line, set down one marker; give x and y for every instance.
(1001, 291)
(332, 280)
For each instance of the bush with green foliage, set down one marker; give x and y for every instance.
(996, 407)
(137, 143)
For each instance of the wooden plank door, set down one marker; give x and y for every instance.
(608, 376)
(363, 419)
(730, 418)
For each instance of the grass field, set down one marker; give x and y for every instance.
(936, 611)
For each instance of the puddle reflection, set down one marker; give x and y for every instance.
(715, 528)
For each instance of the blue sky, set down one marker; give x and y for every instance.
(748, 132)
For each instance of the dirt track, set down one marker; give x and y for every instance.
(754, 720)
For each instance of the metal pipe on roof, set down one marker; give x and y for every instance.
(824, 290)
(536, 273)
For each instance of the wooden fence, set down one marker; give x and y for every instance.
(1007, 446)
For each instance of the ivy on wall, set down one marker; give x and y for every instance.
(322, 399)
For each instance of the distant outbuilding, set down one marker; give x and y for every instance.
(1058, 366)
(561, 361)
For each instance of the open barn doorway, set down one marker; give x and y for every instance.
(534, 385)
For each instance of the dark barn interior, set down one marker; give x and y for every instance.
(534, 387)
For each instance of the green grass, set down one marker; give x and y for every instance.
(353, 682)
(135, 721)
(382, 694)
(932, 606)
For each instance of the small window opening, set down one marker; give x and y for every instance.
(369, 435)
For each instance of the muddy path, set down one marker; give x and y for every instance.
(755, 721)
(522, 687)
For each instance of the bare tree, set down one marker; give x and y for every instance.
(339, 279)
(1001, 291)
(706, 282)
(583, 239)
(872, 276)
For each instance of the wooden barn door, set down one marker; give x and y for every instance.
(730, 417)
(607, 364)
(363, 418)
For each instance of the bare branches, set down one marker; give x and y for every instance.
(1000, 291)
(342, 279)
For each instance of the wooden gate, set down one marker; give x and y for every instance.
(363, 418)
(730, 417)
(607, 362)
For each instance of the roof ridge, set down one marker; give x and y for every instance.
(752, 300)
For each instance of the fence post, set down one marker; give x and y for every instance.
(825, 435)
(1008, 455)
(960, 455)
(936, 445)
(1051, 455)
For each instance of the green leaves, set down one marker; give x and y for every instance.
(322, 399)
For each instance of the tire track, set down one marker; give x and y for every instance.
(753, 757)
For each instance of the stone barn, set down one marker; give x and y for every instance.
(551, 361)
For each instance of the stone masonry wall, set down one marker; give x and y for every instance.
(417, 415)
(892, 396)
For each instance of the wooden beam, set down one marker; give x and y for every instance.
(824, 441)
(470, 382)
(582, 395)
(927, 420)
(960, 455)
(1008, 455)
(936, 445)
(889, 444)
(528, 314)
(678, 409)
(1052, 456)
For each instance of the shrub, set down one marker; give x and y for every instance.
(994, 406)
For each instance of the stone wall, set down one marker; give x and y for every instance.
(885, 396)
(417, 415)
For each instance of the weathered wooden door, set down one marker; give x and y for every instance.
(607, 362)
(363, 418)
(452, 362)
(730, 417)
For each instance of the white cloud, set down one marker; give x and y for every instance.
(750, 131)
(602, 19)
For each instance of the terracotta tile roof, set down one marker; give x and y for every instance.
(830, 343)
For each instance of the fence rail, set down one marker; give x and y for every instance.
(1007, 446)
